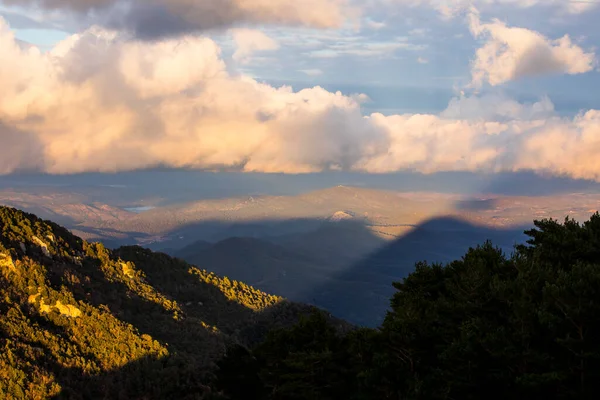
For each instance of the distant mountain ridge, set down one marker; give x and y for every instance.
(361, 293)
(99, 214)
(342, 267)
(206, 219)
(263, 264)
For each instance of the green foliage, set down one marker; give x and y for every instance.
(238, 291)
(487, 326)
(80, 321)
(312, 360)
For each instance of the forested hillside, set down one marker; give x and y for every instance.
(80, 321)
(488, 326)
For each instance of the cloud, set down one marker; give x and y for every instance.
(78, 5)
(171, 102)
(20, 150)
(419, 31)
(151, 19)
(250, 41)
(422, 60)
(497, 107)
(428, 143)
(136, 104)
(452, 8)
(312, 72)
(375, 25)
(364, 48)
(511, 53)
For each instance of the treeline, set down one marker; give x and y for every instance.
(79, 321)
(488, 326)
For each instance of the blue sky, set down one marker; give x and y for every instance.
(407, 59)
(429, 86)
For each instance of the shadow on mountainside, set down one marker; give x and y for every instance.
(286, 265)
(361, 293)
(341, 267)
(214, 231)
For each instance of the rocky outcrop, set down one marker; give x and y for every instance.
(65, 309)
(128, 270)
(68, 310)
(6, 263)
(42, 245)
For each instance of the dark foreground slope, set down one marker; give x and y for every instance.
(335, 267)
(361, 293)
(80, 321)
(262, 264)
(342, 267)
(486, 326)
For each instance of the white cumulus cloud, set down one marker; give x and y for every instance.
(171, 102)
(250, 41)
(511, 53)
(452, 8)
(312, 72)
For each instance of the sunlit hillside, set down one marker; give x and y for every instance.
(81, 321)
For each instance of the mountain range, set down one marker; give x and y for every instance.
(103, 214)
(352, 282)
(338, 248)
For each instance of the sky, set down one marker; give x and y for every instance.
(312, 86)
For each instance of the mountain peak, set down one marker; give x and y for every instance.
(341, 216)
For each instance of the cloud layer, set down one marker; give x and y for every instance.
(151, 19)
(100, 102)
(249, 41)
(452, 8)
(511, 53)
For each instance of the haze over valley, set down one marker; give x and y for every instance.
(338, 248)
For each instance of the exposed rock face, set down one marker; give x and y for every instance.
(68, 310)
(33, 298)
(42, 245)
(65, 309)
(6, 262)
(44, 308)
(128, 270)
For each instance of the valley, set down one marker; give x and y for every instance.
(338, 248)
